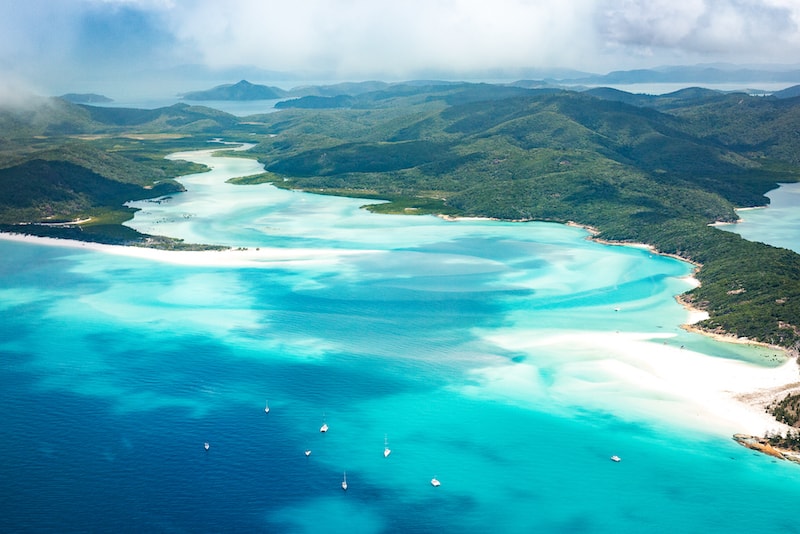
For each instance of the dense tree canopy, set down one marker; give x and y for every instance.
(657, 170)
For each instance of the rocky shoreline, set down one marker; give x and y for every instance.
(763, 445)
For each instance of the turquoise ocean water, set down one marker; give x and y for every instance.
(462, 343)
(777, 224)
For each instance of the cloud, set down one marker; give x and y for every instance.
(110, 31)
(42, 39)
(17, 94)
(103, 39)
(732, 30)
(33, 31)
(362, 36)
(368, 36)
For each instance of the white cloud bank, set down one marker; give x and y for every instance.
(363, 36)
(753, 30)
(376, 38)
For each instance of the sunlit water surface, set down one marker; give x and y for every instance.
(778, 224)
(436, 336)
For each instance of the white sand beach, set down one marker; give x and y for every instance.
(232, 257)
(643, 376)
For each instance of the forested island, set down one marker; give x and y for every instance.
(658, 170)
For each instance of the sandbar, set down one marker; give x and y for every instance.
(232, 257)
(641, 374)
(645, 377)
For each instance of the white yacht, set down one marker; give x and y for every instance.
(616, 458)
(435, 482)
(266, 409)
(324, 427)
(206, 446)
(386, 450)
(308, 452)
(344, 481)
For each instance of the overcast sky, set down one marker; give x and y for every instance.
(56, 44)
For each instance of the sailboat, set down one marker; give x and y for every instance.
(266, 409)
(386, 450)
(324, 427)
(344, 481)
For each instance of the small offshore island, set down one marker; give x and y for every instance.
(658, 170)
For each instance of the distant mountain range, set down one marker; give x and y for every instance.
(640, 168)
(689, 75)
(242, 90)
(694, 74)
(789, 92)
(86, 98)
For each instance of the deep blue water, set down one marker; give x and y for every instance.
(115, 370)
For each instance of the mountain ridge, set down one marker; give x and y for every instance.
(242, 90)
(658, 172)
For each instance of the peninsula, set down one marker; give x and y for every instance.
(658, 170)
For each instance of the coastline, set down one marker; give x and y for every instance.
(231, 257)
(642, 376)
(741, 403)
(762, 445)
(696, 314)
(594, 232)
(729, 396)
(758, 398)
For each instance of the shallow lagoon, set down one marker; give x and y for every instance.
(778, 224)
(509, 360)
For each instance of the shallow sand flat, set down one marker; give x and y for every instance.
(235, 257)
(641, 375)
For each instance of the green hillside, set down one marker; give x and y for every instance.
(45, 189)
(242, 90)
(656, 170)
(61, 162)
(634, 172)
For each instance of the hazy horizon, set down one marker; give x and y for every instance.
(57, 47)
(171, 90)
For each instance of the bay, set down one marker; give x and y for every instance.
(508, 360)
(777, 224)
